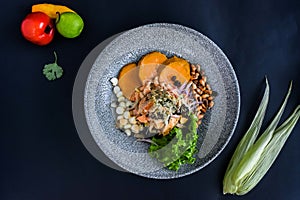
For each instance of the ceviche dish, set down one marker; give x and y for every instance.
(162, 100)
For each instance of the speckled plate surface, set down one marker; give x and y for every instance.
(171, 39)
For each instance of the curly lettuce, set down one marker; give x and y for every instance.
(178, 147)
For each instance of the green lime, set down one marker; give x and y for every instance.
(69, 24)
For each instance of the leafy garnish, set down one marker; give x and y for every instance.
(178, 147)
(53, 71)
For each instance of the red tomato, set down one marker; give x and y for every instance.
(38, 28)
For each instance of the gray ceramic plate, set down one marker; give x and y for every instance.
(218, 124)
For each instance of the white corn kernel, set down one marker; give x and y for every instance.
(123, 122)
(135, 129)
(117, 89)
(122, 104)
(114, 81)
(128, 132)
(121, 98)
(128, 103)
(119, 94)
(120, 117)
(120, 110)
(126, 114)
(127, 126)
(132, 120)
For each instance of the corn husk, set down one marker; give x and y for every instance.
(252, 158)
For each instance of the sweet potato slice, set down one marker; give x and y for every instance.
(176, 69)
(126, 69)
(173, 59)
(129, 79)
(149, 65)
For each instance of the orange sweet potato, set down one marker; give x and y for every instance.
(175, 69)
(126, 69)
(129, 79)
(149, 65)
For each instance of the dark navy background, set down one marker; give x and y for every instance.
(41, 155)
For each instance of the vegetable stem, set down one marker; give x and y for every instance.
(55, 57)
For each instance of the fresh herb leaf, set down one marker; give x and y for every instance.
(178, 147)
(53, 71)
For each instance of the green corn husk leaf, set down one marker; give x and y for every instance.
(250, 159)
(270, 153)
(246, 142)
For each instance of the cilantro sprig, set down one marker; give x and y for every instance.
(53, 71)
